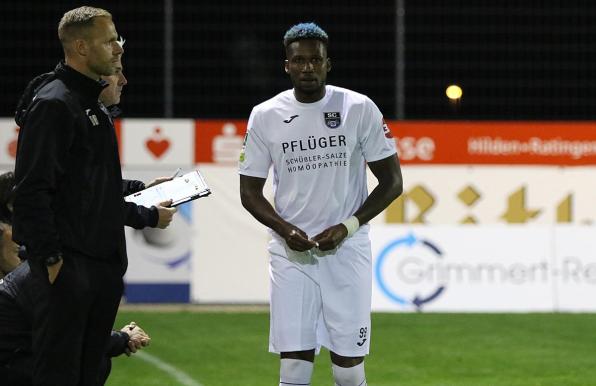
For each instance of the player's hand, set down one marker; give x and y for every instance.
(54, 270)
(166, 214)
(158, 181)
(297, 239)
(331, 237)
(137, 338)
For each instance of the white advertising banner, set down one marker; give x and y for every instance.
(156, 142)
(575, 277)
(231, 261)
(484, 268)
(482, 265)
(543, 195)
(160, 260)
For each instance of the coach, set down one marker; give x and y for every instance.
(68, 206)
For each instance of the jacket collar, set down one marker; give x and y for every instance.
(75, 80)
(114, 110)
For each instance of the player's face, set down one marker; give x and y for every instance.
(111, 94)
(103, 48)
(307, 64)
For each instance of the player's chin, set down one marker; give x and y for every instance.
(309, 87)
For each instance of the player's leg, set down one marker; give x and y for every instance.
(296, 367)
(295, 308)
(348, 371)
(346, 289)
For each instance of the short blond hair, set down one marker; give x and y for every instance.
(75, 23)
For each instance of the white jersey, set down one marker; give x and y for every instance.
(318, 152)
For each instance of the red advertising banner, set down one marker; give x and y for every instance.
(219, 141)
(527, 143)
(443, 142)
(418, 142)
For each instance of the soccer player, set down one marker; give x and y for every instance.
(319, 139)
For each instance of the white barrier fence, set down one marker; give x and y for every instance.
(484, 268)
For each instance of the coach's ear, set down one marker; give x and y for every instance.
(286, 66)
(328, 64)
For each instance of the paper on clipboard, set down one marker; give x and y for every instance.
(180, 190)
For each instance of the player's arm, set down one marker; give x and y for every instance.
(390, 186)
(253, 200)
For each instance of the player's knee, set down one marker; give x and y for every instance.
(349, 376)
(295, 371)
(307, 355)
(342, 361)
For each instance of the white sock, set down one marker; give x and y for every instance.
(349, 376)
(295, 372)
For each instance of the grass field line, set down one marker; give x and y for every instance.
(198, 308)
(176, 373)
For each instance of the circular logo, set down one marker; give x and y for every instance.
(388, 287)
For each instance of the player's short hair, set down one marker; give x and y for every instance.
(305, 31)
(76, 22)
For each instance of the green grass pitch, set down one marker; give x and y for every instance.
(230, 349)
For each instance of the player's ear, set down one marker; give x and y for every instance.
(80, 46)
(328, 64)
(286, 66)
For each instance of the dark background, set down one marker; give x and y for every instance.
(523, 59)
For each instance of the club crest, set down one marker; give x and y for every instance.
(332, 120)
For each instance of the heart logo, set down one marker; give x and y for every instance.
(157, 145)
(12, 145)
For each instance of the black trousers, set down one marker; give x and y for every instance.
(72, 320)
(17, 370)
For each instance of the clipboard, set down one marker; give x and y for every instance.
(185, 188)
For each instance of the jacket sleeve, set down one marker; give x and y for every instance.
(131, 186)
(117, 344)
(41, 162)
(140, 217)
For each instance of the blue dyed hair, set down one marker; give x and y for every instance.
(305, 31)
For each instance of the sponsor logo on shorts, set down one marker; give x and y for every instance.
(363, 332)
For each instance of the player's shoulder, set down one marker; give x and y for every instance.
(272, 104)
(352, 97)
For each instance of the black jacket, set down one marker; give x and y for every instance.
(16, 315)
(69, 192)
(137, 216)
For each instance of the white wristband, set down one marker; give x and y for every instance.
(352, 224)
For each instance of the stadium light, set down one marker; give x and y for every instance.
(454, 92)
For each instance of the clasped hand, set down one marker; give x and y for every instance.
(327, 240)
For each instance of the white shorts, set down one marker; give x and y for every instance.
(321, 299)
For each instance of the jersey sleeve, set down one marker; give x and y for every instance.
(255, 158)
(375, 137)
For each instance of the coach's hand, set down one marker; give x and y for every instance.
(297, 239)
(54, 270)
(166, 213)
(157, 181)
(331, 237)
